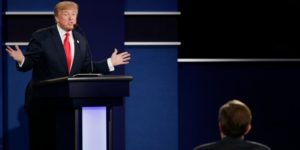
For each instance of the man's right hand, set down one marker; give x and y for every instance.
(16, 54)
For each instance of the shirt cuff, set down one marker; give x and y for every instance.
(21, 64)
(110, 65)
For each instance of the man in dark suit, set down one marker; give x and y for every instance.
(45, 54)
(57, 51)
(234, 123)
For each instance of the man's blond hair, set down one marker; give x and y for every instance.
(65, 5)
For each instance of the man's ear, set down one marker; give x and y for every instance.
(221, 128)
(55, 18)
(248, 129)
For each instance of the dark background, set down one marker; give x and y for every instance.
(239, 29)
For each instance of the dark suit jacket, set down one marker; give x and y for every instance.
(46, 57)
(232, 144)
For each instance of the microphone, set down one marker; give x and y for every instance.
(78, 29)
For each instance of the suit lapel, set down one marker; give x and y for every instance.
(59, 48)
(76, 59)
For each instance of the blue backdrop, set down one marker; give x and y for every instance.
(151, 112)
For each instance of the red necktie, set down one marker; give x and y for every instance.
(67, 48)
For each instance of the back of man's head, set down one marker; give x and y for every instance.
(235, 118)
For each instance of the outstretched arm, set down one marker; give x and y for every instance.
(16, 54)
(120, 59)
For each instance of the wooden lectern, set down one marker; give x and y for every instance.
(83, 108)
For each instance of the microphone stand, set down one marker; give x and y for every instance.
(91, 74)
(78, 28)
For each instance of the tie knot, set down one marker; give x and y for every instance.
(67, 34)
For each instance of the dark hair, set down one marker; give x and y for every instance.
(235, 117)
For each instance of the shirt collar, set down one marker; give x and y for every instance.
(62, 32)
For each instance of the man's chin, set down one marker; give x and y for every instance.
(69, 28)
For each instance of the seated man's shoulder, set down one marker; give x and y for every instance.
(258, 146)
(206, 146)
(221, 145)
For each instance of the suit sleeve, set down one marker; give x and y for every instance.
(101, 67)
(32, 55)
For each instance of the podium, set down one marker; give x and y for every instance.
(81, 108)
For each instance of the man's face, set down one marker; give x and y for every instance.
(66, 19)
